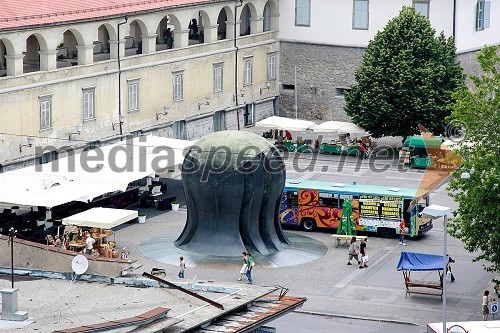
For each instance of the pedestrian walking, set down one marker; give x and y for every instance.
(243, 269)
(182, 266)
(250, 265)
(449, 269)
(486, 300)
(353, 251)
(402, 227)
(364, 255)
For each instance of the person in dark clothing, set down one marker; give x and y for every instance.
(193, 29)
(169, 39)
(449, 269)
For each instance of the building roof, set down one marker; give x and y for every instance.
(342, 188)
(81, 306)
(23, 13)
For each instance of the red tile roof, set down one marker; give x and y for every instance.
(15, 14)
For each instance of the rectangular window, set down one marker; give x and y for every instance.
(480, 15)
(48, 157)
(219, 121)
(303, 13)
(45, 112)
(178, 87)
(218, 77)
(88, 103)
(92, 145)
(247, 71)
(179, 130)
(133, 95)
(248, 116)
(271, 66)
(360, 15)
(422, 7)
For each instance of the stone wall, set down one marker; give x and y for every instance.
(322, 72)
(469, 63)
(263, 110)
(231, 118)
(200, 127)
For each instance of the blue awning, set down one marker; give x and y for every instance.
(421, 262)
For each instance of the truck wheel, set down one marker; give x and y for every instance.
(308, 224)
(386, 232)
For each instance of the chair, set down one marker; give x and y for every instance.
(166, 203)
(156, 190)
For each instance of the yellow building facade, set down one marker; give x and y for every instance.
(171, 71)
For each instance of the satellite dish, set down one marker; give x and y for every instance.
(79, 264)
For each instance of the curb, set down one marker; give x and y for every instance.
(394, 321)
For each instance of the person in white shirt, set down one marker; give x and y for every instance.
(89, 244)
(486, 300)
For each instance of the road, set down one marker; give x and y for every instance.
(300, 322)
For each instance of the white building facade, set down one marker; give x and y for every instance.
(324, 41)
(81, 77)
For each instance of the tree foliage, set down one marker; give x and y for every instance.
(407, 77)
(477, 220)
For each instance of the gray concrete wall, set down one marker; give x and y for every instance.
(320, 70)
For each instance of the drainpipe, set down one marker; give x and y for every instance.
(120, 80)
(236, 65)
(454, 22)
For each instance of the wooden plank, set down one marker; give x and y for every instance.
(174, 286)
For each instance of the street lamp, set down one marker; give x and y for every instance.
(31, 140)
(12, 234)
(121, 120)
(434, 212)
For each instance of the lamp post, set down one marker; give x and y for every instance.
(434, 212)
(12, 233)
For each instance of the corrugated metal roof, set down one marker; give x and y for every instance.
(28, 13)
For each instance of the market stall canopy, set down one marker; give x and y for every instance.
(105, 218)
(421, 262)
(339, 126)
(284, 123)
(418, 141)
(84, 176)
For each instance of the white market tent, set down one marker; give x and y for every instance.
(283, 123)
(86, 175)
(104, 218)
(340, 127)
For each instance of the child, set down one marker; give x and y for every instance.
(182, 265)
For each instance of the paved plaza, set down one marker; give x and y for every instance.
(331, 287)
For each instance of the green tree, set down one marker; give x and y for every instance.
(407, 77)
(477, 110)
